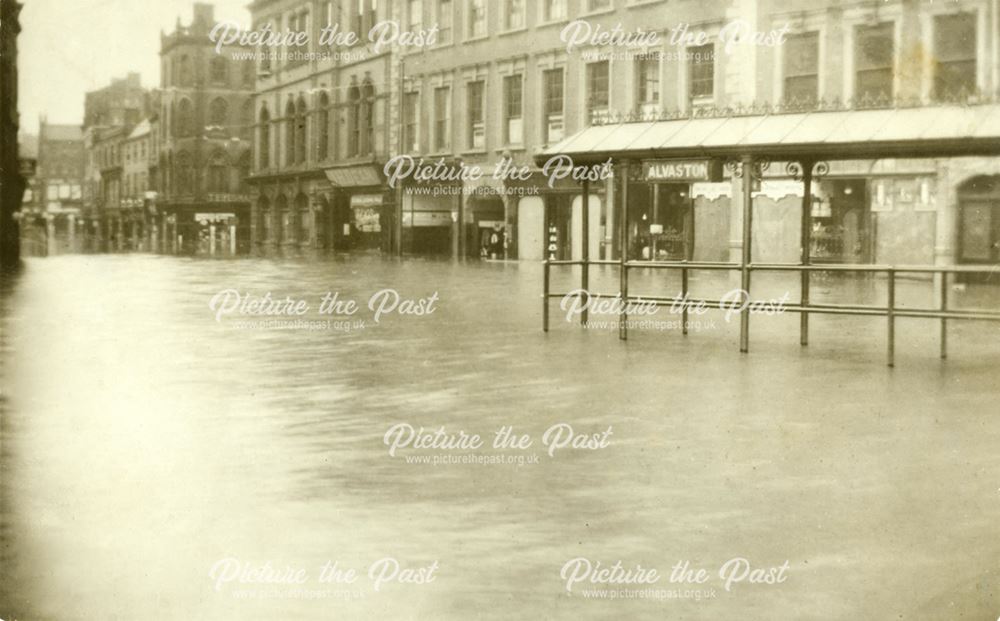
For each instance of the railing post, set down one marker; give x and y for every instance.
(806, 239)
(623, 252)
(891, 314)
(944, 321)
(684, 307)
(585, 255)
(747, 170)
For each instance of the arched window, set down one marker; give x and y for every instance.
(185, 118)
(218, 112)
(218, 173)
(323, 123)
(185, 75)
(302, 217)
(184, 174)
(290, 133)
(280, 218)
(265, 138)
(219, 70)
(246, 120)
(353, 121)
(264, 219)
(368, 112)
(300, 131)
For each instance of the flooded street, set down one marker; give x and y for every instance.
(149, 449)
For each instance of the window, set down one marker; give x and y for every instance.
(218, 111)
(873, 56)
(701, 69)
(218, 174)
(597, 90)
(512, 110)
(444, 21)
(955, 56)
(290, 133)
(265, 138)
(353, 121)
(185, 174)
(598, 5)
(475, 92)
(648, 83)
(411, 110)
(323, 121)
(185, 118)
(553, 10)
(302, 207)
(477, 18)
(219, 71)
(364, 17)
(416, 12)
(300, 131)
(442, 118)
(265, 61)
(801, 69)
(246, 120)
(368, 110)
(513, 14)
(552, 82)
(298, 22)
(185, 71)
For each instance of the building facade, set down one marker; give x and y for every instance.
(205, 124)
(12, 181)
(323, 131)
(58, 187)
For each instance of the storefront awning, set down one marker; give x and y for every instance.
(354, 176)
(925, 132)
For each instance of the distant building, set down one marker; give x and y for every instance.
(59, 183)
(123, 102)
(205, 120)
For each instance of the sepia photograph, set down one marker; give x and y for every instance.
(499, 309)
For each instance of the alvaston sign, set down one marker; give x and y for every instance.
(682, 170)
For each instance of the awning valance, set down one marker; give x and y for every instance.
(921, 132)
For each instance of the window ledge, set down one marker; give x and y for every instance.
(475, 152)
(552, 22)
(512, 31)
(473, 39)
(610, 9)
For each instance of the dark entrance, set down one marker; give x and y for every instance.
(979, 221)
(841, 230)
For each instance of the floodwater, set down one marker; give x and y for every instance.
(160, 464)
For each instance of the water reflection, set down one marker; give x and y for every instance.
(143, 441)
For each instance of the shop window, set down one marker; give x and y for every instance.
(801, 69)
(955, 56)
(552, 81)
(598, 97)
(874, 51)
(475, 92)
(701, 70)
(979, 221)
(513, 109)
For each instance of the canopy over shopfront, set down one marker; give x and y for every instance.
(930, 131)
(747, 140)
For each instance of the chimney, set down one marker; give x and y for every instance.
(204, 13)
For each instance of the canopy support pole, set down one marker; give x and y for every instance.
(623, 251)
(746, 168)
(806, 240)
(585, 254)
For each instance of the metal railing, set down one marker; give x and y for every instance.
(805, 307)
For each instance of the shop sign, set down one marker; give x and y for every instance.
(367, 220)
(682, 170)
(365, 200)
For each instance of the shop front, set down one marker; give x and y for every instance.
(358, 214)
